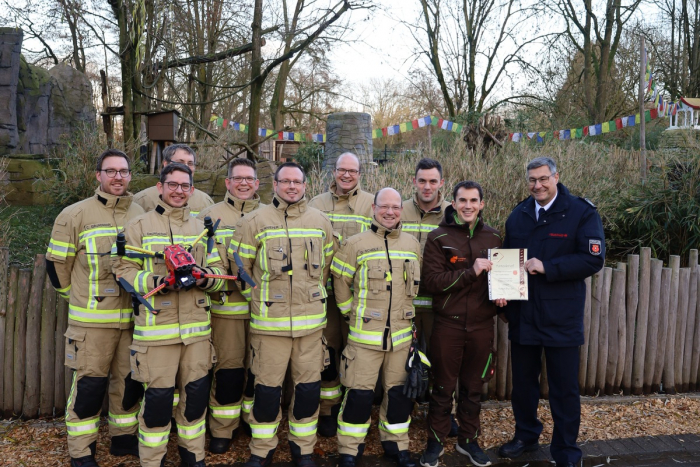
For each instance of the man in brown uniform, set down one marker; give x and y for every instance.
(461, 348)
(349, 209)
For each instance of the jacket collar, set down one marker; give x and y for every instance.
(179, 214)
(436, 209)
(449, 221)
(240, 205)
(292, 210)
(560, 204)
(350, 196)
(383, 232)
(118, 203)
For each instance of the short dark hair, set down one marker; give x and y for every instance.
(175, 167)
(170, 151)
(290, 164)
(241, 161)
(541, 162)
(112, 153)
(427, 164)
(468, 184)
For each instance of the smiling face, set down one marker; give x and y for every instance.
(244, 189)
(347, 173)
(176, 198)
(118, 185)
(388, 209)
(544, 188)
(468, 205)
(183, 157)
(428, 183)
(290, 185)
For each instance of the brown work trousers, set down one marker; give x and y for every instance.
(100, 360)
(458, 356)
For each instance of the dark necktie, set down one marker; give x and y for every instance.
(540, 213)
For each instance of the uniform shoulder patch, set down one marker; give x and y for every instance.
(588, 201)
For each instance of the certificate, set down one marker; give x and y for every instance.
(507, 277)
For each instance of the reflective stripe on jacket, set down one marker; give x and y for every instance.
(376, 275)
(183, 316)
(287, 250)
(149, 198)
(229, 302)
(86, 280)
(349, 214)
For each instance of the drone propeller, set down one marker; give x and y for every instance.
(129, 288)
(242, 274)
(210, 234)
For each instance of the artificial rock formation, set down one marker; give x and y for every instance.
(348, 132)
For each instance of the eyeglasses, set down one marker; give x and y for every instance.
(352, 172)
(290, 182)
(173, 186)
(188, 163)
(111, 173)
(542, 180)
(386, 207)
(248, 180)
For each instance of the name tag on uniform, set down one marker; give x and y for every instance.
(110, 290)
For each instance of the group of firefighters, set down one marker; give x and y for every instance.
(344, 281)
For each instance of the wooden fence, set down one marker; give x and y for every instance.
(641, 324)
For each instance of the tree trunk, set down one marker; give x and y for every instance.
(257, 79)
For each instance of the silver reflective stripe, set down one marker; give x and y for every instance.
(192, 330)
(308, 322)
(264, 431)
(367, 337)
(73, 430)
(152, 439)
(353, 428)
(398, 337)
(423, 301)
(270, 324)
(124, 420)
(396, 427)
(332, 392)
(302, 429)
(190, 431)
(155, 332)
(230, 309)
(100, 316)
(221, 412)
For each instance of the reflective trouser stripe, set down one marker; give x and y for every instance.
(128, 419)
(85, 427)
(153, 439)
(192, 431)
(176, 398)
(247, 405)
(302, 429)
(395, 428)
(348, 429)
(423, 301)
(264, 431)
(230, 412)
(401, 336)
(365, 337)
(331, 393)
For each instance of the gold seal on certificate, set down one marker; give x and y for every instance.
(507, 277)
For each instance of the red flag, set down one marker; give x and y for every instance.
(618, 123)
(225, 123)
(556, 134)
(439, 124)
(510, 136)
(384, 132)
(280, 136)
(414, 123)
(585, 130)
(654, 113)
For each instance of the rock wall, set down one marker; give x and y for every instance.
(348, 132)
(682, 141)
(39, 106)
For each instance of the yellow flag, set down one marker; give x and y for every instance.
(606, 127)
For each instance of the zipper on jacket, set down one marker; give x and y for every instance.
(291, 276)
(387, 338)
(471, 255)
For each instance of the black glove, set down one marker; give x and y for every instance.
(417, 366)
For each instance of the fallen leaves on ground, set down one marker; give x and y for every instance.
(43, 442)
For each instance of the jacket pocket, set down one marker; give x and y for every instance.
(347, 366)
(325, 354)
(411, 276)
(377, 279)
(75, 348)
(409, 313)
(276, 259)
(313, 257)
(139, 363)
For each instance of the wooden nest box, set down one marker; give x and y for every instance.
(163, 126)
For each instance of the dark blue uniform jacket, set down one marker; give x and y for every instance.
(569, 241)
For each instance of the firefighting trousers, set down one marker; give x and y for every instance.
(458, 356)
(226, 398)
(162, 369)
(269, 358)
(359, 369)
(100, 360)
(336, 334)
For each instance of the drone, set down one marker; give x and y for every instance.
(180, 263)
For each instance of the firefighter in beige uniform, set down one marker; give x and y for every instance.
(100, 316)
(148, 199)
(375, 278)
(286, 247)
(173, 347)
(350, 211)
(230, 312)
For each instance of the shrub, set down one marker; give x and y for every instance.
(309, 156)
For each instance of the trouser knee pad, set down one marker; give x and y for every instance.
(158, 406)
(250, 385)
(133, 392)
(358, 406)
(197, 398)
(229, 385)
(306, 399)
(399, 406)
(266, 405)
(90, 392)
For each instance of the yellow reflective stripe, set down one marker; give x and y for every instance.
(228, 412)
(401, 335)
(191, 431)
(156, 332)
(345, 307)
(331, 393)
(415, 227)
(247, 405)
(365, 337)
(264, 431)
(60, 249)
(88, 315)
(285, 324)
(128, 419)
(394, 428)
(230, 308)
(348, 429)
(364, 221)
(342, 268)
(98, 232)
(303, 429)
(153, 439)
(190, 330)
(83, 427)
(244, 250)
(141, 282)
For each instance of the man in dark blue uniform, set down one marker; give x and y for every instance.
(565, 244)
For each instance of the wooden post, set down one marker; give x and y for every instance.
(60, 371)
(632, 299)
(689, 328)
(48, 350)
(4, 273)
(154, 154)
(30, 405)
(653, 324)
(642, 123)
(583, 352)
(8, 364)
(591, 371)
(21, 338)
(695, 359)
(665, 298)
(615, 340)
(681, 322)
(603, 332)
(669, 377)
(502, 367)
(642, 321)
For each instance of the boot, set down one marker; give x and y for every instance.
(219, 445)
(124, 445)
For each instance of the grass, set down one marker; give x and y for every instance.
(29, 231)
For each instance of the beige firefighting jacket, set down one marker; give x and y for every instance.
(149, 198)
(183, 316)
(228, 302)
(420, 223)
(376, 275)
(86, 280)
(287, 250)
(349, 214)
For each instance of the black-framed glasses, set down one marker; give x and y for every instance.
(111, 173)
(173, 186)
